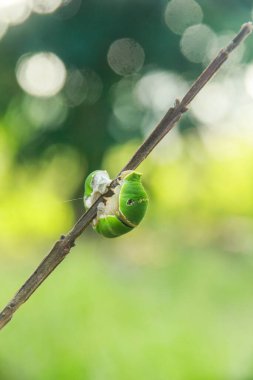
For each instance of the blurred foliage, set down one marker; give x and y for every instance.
(181, 315)
(82, 42)
(49, 143)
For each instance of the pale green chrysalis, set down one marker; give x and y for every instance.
(124, 209)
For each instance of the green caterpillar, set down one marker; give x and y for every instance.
(121, 212)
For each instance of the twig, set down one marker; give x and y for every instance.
(63, 246)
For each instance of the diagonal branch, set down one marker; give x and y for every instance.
(63, 246)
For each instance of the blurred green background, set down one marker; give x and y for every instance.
(82, 82)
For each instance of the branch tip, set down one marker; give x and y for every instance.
(248, 26)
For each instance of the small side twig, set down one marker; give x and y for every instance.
(63, 246)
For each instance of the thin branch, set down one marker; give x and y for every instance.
(63, 246)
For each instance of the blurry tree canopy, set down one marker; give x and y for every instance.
(82, 40)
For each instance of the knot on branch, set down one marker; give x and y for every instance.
(65, 244)
(179, 107)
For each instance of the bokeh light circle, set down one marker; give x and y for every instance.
(3, 29)
(14, 11)
(248, 80)
(180, 14)
(45, 112)
(45, 6)
(196, 42)
(125, 56)
(41, 74)
(214, 103)
(157, 90)
(94, 85)
(76, 87)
